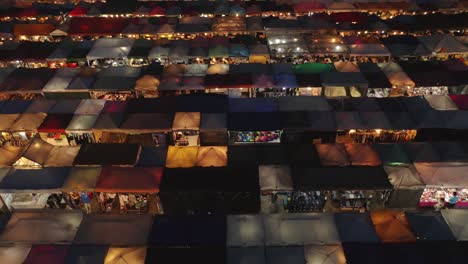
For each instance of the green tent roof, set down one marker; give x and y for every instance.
(313, 68)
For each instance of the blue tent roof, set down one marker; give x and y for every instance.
(238, 50)
(200, 230)
(65, 107)
(429, 225)
(14, 106)
(253, 105)
(35, 179)
(86, 254)
(285, 80)
(152, 157)
(355, 227)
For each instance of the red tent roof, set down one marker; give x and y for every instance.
(55, 123)
(130, 179)
(114, 107)
(305, 7)
(157, 11)
(28, 12)
(342, 17)
(78, 11)
(460, 100)
(50, 254)
(97, 25)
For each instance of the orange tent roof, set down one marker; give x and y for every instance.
(33, 29)
(392, 226)
(129, 179)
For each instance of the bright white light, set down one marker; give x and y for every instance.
(338, 48)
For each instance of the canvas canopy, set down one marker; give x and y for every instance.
(392, 153)
(62, 156)
(392, 226)
(245, 255)
(253, 105)
(253, 121)
(47, 253)
(303, 103)
(9, 154)
(181, 157)
(323, 254)
(456, 220)
(186, 121)
(284, 254)
(332, 154)
(192, 231)
(362, 155)
(41, 227)
(86, 254)
(440, 102)
(429, 226)
(369, 50)
(343, 79)
(443, 174)
(152, 157)
(81, 123)
(28, 122)
(213, 122)
(110, 48)
(184, 255)
(90, 107)
(375, 120)
(82, 179)
(340, 178)
(64, 106)
(443, 44)
(275, 178)
(355, 227)
(14, 254)
(128, 179)
(40, 106)
(299, 229)
(421, 152)
(212, 156)
(55, 123)
(404, 176)
(158, 52)
(346, 66)
(244, 231)
(34, 180)
(107, 154)
(116, 255)
(147, 123)
(100, 229)
(7, 121)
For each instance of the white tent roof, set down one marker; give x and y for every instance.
(110, 48)
(7, 120)
(440, 102)
(300, 229)
(388, 67)
(14, 254)
(457, 220)
(28, 122)
(404, 176)
(196, 69)
(244, 230)
(41, 227)
(275, 177)
(324, 254)
(444, 173)
(57, 84)
(62, 156)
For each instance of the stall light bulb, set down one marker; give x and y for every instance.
(378, 131)
(352, 131)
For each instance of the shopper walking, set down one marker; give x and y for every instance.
(453, 200)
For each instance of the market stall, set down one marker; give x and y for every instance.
(53, 228)
(407, 183)
(129, 190)
(100, 230)
(79, 130)
(79, 187)
(348, 188)
(276, 187)
(115, 83)
(34, 188)
(213, 129)
(52, 129)
(147, 86)
(343, 84)
(181, 157)
(146, 128)
(442, 179)
(217, 190)
(186, 129)
(110, 52)
(259, 53)
(6, 122)
(254, 127)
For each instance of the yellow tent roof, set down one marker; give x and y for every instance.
(181, 157)
(125, 255)
(214, 156)
(186, 121)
